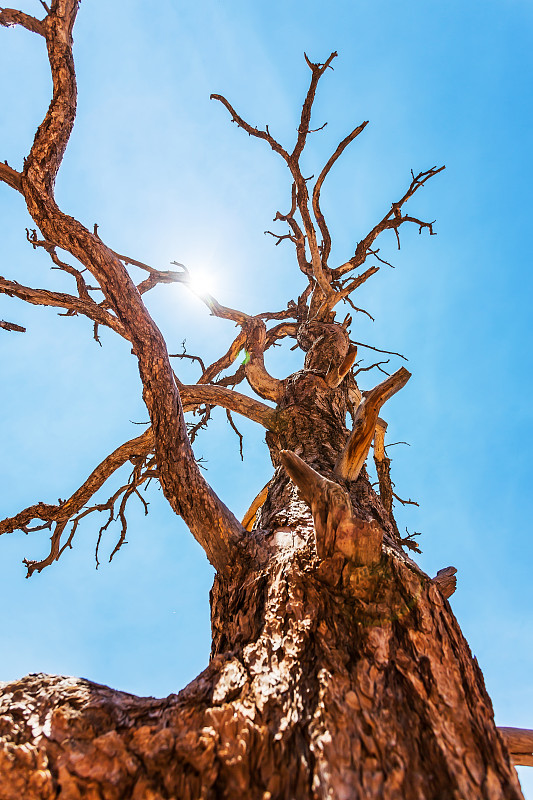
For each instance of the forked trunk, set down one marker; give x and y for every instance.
(333, 673)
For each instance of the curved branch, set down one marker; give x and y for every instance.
(391, 221)
(226, 360)
(250, 130)
(196, 394)
(190, 496)
(326, 238)
(65, 512)
(256, 373)
(352, 458)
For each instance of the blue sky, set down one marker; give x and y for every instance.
(167, 176)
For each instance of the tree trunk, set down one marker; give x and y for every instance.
(333, 673)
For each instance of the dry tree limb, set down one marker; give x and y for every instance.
(300, 193)
(354, 455)
(519, 742)
(224, 361)
(378, 350)
(326, 238)
(392, 220)
(11, 326)
(257, 375)
(382, 463)
(335, 376)
(190, 496)
(65, 511)
(236, 431)
(184, 354)
(10, 176)
(279, 332)
(196, 394)
(10, 16)
(446, 581)
(250, 516)
(336, 529)
(75, 305)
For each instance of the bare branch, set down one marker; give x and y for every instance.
(378, 350)
(226, 360)
(351, 460)
(259, 379)
(213, 525)
(237, 432)
(317, 70)
(519, 742)
(410, 542)
(76, 305)
(279, 332)
(187, 355)
(391, 221)
(405, 502)
(65, 511)
(10, 176)
(326, 238)
(11, 326)
(10, 16)
(250, 130)
(377, 365)
(198, 394)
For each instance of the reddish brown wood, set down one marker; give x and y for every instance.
(337, 667)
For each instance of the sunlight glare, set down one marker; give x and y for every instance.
(202, 282)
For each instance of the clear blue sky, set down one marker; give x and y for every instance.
(164, 173)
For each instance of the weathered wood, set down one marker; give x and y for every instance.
(338, 676)
(336, 529)
(446, 581)
(250, 516)
(351, 460)
(519, 742)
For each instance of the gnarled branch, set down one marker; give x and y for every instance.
(336, 528)
(354, 455)
(213, 525)
(65, 512)
(391, 221)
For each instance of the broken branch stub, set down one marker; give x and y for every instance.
(352, 458)
(336, 529)
(446, 581)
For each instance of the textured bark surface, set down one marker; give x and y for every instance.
(337, 668)
(327, 679)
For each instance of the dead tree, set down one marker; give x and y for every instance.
(337, 667)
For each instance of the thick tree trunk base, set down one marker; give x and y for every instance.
(314, 699)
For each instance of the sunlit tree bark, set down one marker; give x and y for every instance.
(337, 667)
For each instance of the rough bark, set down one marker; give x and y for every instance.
(337, 667)
(328, 678)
